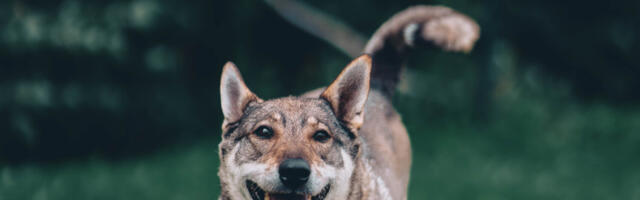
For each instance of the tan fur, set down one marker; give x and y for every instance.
(334, 93)
(386, 144)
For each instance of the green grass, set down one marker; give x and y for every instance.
(538, 142)
(182, 173)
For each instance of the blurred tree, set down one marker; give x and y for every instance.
(126, 77)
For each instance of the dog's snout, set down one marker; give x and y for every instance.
(294, 172)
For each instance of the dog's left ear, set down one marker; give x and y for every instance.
(348, 93)
(234, 94)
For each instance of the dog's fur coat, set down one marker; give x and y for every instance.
(349, 133)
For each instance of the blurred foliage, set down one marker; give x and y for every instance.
(119, 99)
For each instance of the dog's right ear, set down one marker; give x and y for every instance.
(234, 94)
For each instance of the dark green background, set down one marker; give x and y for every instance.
(119, 99)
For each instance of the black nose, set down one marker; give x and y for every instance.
(294, 172)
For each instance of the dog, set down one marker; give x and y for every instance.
(343, 141)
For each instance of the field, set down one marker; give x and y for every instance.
(534, 144)
(106, 100)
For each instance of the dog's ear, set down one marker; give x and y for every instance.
(234, 94)
(348, 93)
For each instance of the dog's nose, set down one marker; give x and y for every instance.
(294, 172)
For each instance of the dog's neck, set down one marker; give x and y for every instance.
(366, 183)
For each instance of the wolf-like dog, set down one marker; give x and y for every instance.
(343, 141)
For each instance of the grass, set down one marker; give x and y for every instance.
(184, 172)
(537, 142)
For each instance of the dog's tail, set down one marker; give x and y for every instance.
(417, 26)
(414, 27)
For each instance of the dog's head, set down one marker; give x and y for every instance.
(292, 147)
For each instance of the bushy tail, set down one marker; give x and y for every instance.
(417, 26)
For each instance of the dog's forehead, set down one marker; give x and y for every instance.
(297, 107)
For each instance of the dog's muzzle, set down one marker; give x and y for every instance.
(294, 175)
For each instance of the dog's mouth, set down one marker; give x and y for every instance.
(258, 193)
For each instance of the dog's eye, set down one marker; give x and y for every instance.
(264, 132)
(321, 136)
